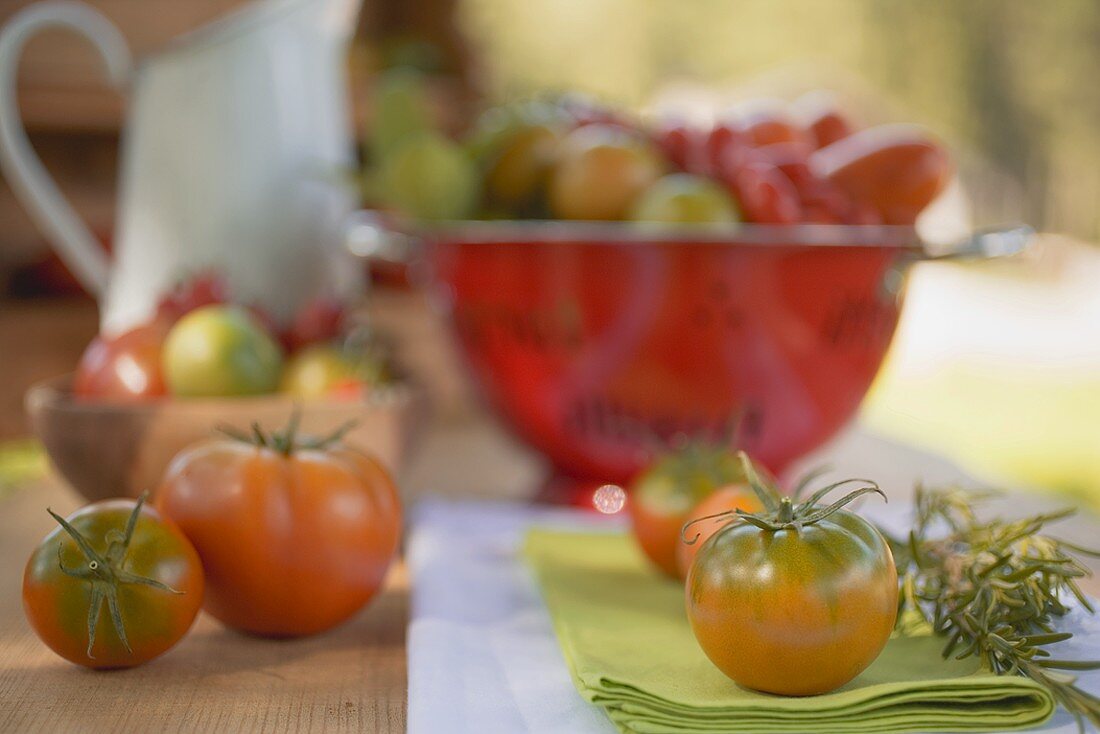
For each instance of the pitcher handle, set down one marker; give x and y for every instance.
(49, 209)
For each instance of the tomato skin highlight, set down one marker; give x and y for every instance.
(56, 605)
(125, 368)
(794, 612)
(292, 545)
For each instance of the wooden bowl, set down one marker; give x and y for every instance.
(108, 449)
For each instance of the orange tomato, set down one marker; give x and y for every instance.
(295, 534)
(896, 169)
(600, 171)
(725, 499)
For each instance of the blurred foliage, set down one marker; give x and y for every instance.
(1010, 80)
(1002, 422)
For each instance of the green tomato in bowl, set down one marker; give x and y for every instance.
(429, 177)
(221, 351)
(683, 198)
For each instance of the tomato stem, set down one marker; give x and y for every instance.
(289, 440)
(786, 512)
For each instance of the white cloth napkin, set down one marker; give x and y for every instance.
(483, 657)
(482, 652)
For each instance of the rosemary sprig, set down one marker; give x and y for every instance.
(994, 589)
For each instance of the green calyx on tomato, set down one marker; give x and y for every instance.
(289, 440)
(105, 573)
(782, 512)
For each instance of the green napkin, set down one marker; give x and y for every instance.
(630, 650)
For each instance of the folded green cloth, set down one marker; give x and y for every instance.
(630, 649)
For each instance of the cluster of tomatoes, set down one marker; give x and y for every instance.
(807, 163)
(571, 158)
(786, 596)
(200, 344)
(273, 534)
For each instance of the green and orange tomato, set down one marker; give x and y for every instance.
(795, 602)
(218, 351)
(114, 586)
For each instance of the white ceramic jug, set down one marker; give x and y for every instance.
(234, 157)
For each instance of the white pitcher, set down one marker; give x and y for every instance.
(234, 154)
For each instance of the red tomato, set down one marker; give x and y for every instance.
(766, 195)
(295, 533)
(204, 289)
(115, 556)
(320, 320)
(725, 499)
(680, 144)
(724, 146)
(824, 203)
(793, 160)
(896, 169)
(126, 367)
(819, 114)
(829, 128)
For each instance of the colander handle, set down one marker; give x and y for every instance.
(986, 243)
